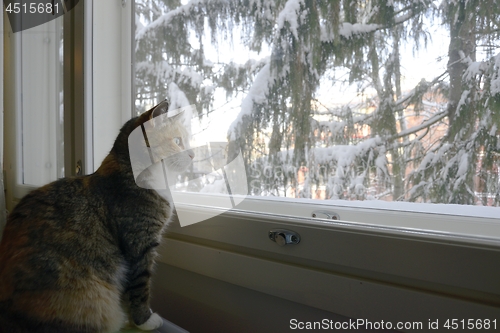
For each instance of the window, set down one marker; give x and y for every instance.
(332, 105)
(34, 107)
(41, 124)
(339, 102)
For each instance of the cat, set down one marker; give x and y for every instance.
(77, 254)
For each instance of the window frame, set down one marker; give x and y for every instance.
(76, 109)
(83, 108)
(475, 224)
(111, 74)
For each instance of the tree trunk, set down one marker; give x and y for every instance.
(462, 44)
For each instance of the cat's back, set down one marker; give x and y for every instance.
(56, 247)
(61, 210)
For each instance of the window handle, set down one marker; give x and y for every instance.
(78, 168)
(283, 237)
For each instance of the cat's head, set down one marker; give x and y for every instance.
(168, 137)
(160, 139)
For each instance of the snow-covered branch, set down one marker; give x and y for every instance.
(426, 124)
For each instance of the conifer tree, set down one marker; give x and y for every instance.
(369, 149)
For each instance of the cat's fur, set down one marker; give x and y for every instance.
(77, 254)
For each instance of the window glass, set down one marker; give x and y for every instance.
(41, 134)
(395, 100)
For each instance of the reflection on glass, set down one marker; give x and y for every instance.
(174, 165)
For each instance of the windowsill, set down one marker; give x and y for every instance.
(167, 327)
(337, 266)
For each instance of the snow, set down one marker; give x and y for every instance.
(186, 75)
(166, 18)
(177, 97)
(475, 68)
(257, 94)
(381, 162)
(463, 100)
(348, 30)
(345, 154)
(495, 82)
(440, 153)
(343, 158)
(464, 164)
(290, 14)
(138, 24)
(435, 118)
(493, 130)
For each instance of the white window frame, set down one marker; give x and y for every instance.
(111, 73)
(88, 85)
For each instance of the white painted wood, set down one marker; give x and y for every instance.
(111, 57)
(482, 223)
(88, 37)
(345, 294)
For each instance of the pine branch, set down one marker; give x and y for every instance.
(426, 124)
(348, 30)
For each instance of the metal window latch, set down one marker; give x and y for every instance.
(324, 214)
(79, 168)
(283, 237)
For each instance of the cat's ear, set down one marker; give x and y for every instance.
(160, 109)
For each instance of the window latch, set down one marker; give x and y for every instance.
(79, 168)
(323, 214)
(283, 237)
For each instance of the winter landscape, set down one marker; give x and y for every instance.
(393, 100)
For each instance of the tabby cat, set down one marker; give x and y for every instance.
(77, 254)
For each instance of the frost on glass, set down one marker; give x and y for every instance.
(200, 167)
(395, 100)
